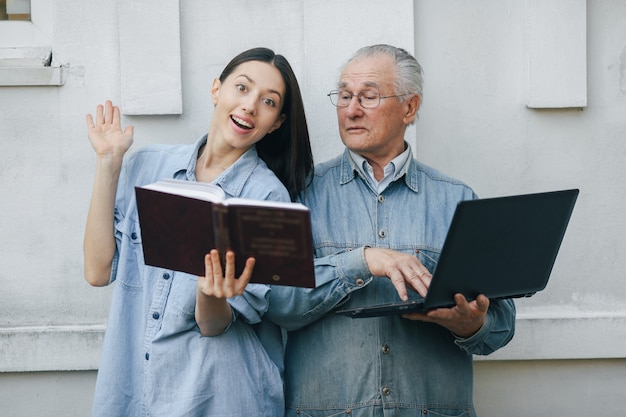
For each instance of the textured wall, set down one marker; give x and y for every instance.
(474, 124)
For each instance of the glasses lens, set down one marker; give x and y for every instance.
(369, 99)
(333, 97)
(343, 98)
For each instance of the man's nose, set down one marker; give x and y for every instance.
(354, 107)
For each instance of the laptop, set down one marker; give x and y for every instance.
(503, 247)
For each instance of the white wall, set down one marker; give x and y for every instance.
(474, 124)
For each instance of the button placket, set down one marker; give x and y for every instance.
(382, 232)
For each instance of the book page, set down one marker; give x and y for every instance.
(197, 190)
(265, 203)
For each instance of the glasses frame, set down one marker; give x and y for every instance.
(335, 93)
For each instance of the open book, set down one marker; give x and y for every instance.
(181, 221)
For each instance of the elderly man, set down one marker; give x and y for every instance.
(379, 219)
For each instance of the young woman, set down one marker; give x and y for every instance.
(154, 360)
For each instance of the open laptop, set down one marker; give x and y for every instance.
(502, 247)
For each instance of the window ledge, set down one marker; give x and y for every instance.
(29, 66)
(13, 76)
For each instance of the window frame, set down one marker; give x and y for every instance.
(26, 49)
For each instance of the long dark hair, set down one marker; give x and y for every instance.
(287, 150)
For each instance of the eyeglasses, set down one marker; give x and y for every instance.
(368, 99)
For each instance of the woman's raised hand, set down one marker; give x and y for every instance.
(106, 134)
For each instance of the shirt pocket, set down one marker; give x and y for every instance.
(179, 314)
(440, 412)
(182, 298)
(130, 263)
(428, 257)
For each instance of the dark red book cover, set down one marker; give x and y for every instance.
(177, 231)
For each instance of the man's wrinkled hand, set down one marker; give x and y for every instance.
(401, 268)
(464, 319)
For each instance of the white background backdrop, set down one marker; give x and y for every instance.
(569, 349)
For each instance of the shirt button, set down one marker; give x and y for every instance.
(359, 282)
(147, 356)
(155, 315)
(386, 391)
(133, 235)
(385, 349)
(382, 234)
(166, 276)
(381, 199)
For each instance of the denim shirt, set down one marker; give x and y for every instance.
(384, 366)
(154, 360)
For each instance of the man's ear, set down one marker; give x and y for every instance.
(215, 90)
(279, 121)
(412, 105)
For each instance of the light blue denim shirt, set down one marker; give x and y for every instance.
(385, 366)
(154, 360)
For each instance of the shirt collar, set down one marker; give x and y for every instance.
(233, 179)
(390, 169)
(394, 170)
(409, 169)
(186, 167)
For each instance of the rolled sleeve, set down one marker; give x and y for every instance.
(349, 266)
(336, 276)
(252, 304)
